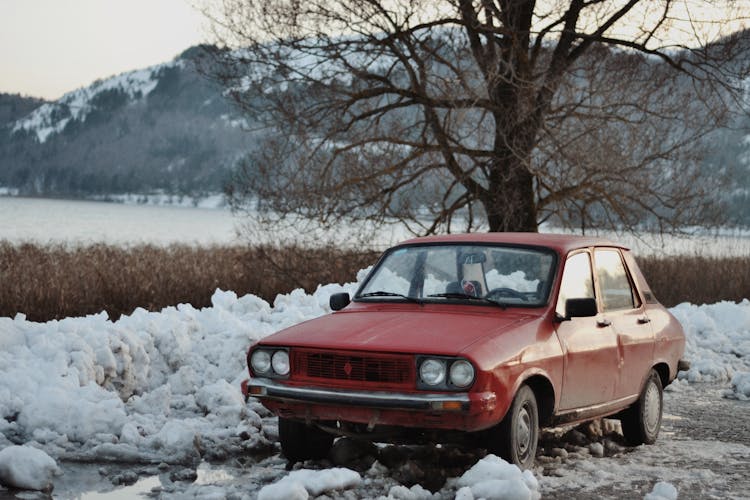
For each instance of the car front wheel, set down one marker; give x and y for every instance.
(516, 437)
(300, 441)
(642, 421)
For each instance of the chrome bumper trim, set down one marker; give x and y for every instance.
(386, 400)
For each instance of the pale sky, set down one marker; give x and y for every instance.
(49, 47)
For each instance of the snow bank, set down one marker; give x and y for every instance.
(302, 483)
(493, 478)
(164, 386)
(27, 468)
(718, 339)
(149, 387)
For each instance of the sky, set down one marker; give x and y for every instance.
(49, 47)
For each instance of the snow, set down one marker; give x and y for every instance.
(495, 479)
(51, 118)
(163, 386)
(149, 387)
(718, 339)
(302, 483)
(662, 491)
(27, 468)
(416, 492)
(740, 387)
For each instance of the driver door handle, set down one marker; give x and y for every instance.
(643, 320)
(603, 322)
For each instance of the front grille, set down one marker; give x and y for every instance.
(348, 368)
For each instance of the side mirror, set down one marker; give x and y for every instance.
(581, 308)
(338, 301)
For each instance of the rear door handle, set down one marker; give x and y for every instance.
(643, 320)
(603, 322)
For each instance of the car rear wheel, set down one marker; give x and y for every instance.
(642, 421)
(300, 441)
(517, 435)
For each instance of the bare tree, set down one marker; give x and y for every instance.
(495, 114)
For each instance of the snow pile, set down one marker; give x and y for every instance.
(303, 483)
(662, 491)
(148, 387)
(27, 468)
(164, 387)
(740, 387)
(718, 339)
(416, 492)
(493, 478)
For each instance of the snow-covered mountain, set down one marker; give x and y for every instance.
(169, 129)
(164, 128)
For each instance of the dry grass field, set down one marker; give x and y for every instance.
(53, 282)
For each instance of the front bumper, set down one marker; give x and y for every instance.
(264, 388)
(460, 411)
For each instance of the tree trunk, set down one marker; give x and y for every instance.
(510, 202)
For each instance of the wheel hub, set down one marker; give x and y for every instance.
(523, 431)
(652, 404)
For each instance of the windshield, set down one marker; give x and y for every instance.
(472, 273)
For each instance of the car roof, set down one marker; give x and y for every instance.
(563, 243)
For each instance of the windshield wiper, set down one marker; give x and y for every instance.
(382, 293)
(459, 295)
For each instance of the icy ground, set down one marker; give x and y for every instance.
(151, 404)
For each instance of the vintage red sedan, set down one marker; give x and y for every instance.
(492, 335)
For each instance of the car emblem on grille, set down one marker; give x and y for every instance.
(348, 368)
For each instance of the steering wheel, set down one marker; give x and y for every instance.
(508, 292)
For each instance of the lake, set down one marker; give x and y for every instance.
(42, 220)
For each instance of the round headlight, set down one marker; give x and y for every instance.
(280, 362)
(432, 371)
(260, 361)
(462, 373)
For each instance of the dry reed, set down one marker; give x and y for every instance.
(53, 282)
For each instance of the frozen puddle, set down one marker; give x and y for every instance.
(91, 481)
(141, 488)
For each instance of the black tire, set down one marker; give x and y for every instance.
(300, 441)
(642, 421)
(517, 436)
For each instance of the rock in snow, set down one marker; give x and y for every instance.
(27, 468)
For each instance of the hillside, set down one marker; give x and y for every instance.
(161, 128)
(170, 129)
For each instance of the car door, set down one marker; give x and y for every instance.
(590, 367)
(623, 308)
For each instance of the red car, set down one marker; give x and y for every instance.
(491, 335)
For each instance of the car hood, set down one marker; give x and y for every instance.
(404, 331)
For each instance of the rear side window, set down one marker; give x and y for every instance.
(577, 282)
(616, 291)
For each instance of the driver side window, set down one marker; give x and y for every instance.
(577, 281)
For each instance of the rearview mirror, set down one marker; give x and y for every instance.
(581, 308)
(338, 301)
